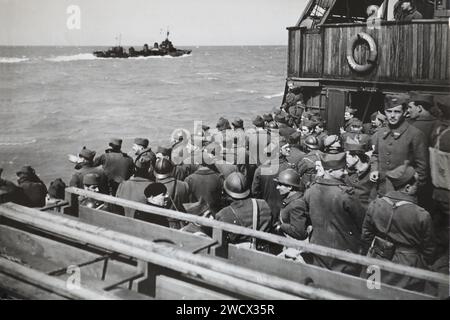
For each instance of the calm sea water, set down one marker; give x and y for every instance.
(55, 100)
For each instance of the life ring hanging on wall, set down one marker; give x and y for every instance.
(371, 61)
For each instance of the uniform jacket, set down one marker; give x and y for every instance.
(412, 14)
(179, 193)
(306, 168)
(133, 189)
(411, 232)
(293, 219)
(365, 190)
(149, 155)
(118, 166)
(264, 187)
(424, 124)
(85, 168)
(9, 192)
(207, 184)
(394, 146)
(35, 191)
(336, 217)
(240, 213)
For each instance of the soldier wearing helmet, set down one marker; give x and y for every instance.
(306, 167)
(244, 211)
(293, 222)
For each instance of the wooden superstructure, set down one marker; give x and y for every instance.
(411, 56)
(119, 257)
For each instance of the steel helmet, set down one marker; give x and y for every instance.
(235, 186)
(288, 177)
(163, 168)
(312, 143)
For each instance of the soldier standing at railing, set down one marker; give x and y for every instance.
(397, 142)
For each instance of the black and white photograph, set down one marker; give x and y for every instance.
(202, 151)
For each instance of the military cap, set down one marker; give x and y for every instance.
(26, 170)
(333, 161)
(401, 175)
(87, 154)
(141, 142)
(391, 101)
(420, 97)
(259, 121)
(155, 189)
(238, 123)
(267, 117)
(350, 110)
(115, 142)
(330, 140)
(91, 179)
(223, 124)
(349, 146)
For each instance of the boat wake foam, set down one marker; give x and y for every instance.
(18, 143)
(75, 57)
(12, 60)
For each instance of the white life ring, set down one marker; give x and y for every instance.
(371, 61)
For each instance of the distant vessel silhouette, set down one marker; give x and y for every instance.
(165, 48)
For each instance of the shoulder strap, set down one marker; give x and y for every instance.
(440, 134)
(394, 205)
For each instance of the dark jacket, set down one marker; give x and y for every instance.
(394, 146)
(118, 166)
(294, 221)
(306, 168)
(150, 156)
(9, 192)
(411, 232)
(179, 194)
(240, 213)
(35, 191)
(133, 189)
(336, 217)
(264, 187)
(412, 14)
(85, 168)
(207, 184)
(365, 190)
(426, 125)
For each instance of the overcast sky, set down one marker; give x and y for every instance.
(191, 22)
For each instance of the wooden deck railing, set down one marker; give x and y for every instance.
(408, 52)
(219, 229)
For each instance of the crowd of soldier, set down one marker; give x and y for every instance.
(367, 190)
